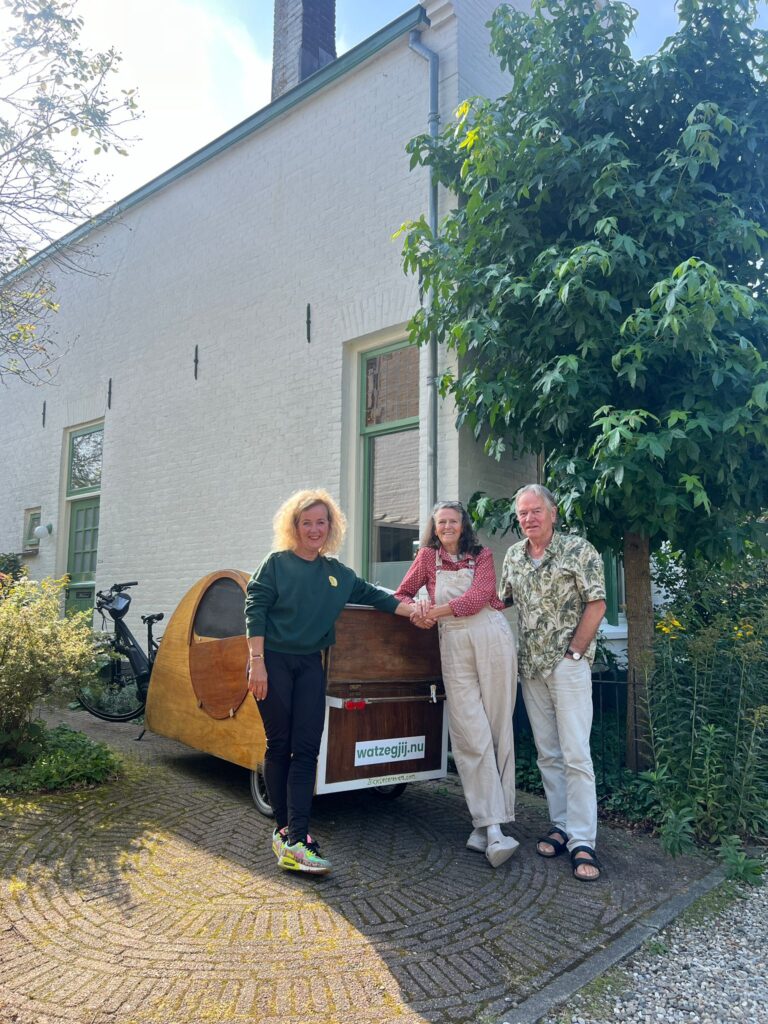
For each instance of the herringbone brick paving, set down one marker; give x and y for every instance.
(157, 900)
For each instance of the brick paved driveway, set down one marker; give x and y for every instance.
(156, 900)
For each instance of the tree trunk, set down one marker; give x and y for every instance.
(637, 583)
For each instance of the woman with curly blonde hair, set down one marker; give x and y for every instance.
(293, 601)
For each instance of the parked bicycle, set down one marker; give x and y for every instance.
(118, 693)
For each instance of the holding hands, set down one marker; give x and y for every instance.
(424, 614)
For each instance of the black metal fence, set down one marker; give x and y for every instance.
(608, 739)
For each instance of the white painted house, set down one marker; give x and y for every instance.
(242, 333)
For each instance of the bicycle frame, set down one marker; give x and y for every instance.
(125, 679)
(125, 643)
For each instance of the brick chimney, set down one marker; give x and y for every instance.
(304, 41)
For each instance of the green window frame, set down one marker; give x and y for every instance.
(399, 414)
(613, 565)
(78, 456)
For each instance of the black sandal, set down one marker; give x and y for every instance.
(557, 847)
(590, 860)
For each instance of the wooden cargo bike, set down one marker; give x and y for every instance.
(385, 722)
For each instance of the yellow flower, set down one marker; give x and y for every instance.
(669, 627)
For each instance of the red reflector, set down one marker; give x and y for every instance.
(354, 705)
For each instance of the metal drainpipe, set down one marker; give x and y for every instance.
(415, 43)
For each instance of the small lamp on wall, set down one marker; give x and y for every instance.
(43, 531)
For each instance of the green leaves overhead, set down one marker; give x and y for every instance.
(603, 274)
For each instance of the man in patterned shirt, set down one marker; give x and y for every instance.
(556, 582)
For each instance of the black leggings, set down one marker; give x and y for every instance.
(293, 713)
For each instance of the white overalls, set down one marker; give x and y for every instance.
(480, 676)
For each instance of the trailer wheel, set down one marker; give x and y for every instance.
(390, 792)
(259, 792)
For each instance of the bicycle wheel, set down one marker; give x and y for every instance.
(113, 695)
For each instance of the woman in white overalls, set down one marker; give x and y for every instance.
(479, 669)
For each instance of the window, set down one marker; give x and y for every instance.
(390, 421)
(85, 450)
(221, 612)
(614, 587)
(32, 519)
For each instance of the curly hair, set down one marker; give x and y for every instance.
(468, 542)
(286, 521)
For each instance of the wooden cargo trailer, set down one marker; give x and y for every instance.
(385, 722)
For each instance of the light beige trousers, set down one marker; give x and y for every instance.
(480, 677)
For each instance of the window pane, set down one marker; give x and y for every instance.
(85, 460)
(615, 599)
(33, 521)
(84, 541)
(221, 612)
(394, 505)
(392, 386)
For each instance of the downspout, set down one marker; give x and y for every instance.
(415, 43)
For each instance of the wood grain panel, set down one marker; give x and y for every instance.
(172, 705)
(382, 722)
(376, 645)
(217, 668)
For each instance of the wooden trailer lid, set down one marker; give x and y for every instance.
(375, 646)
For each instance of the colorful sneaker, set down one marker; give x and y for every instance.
(279, 842)
(304, 856)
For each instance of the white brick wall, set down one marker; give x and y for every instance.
(480, 74)
(227, 258)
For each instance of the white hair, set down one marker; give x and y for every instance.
(540, 491)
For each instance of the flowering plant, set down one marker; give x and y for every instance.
(708, 701)
(41, 654)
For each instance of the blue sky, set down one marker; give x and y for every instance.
(202, 66)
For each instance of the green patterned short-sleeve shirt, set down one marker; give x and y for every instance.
(551, 598)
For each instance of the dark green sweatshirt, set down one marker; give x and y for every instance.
(294, 603)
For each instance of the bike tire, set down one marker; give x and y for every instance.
(114, 695)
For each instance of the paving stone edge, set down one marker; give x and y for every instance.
(562, 988)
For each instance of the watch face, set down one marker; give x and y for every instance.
(576, 656)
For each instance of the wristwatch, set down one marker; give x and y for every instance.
(575, 655)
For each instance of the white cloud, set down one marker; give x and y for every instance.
(198, 73)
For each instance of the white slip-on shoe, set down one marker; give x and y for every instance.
(501, 850)
(478, 840)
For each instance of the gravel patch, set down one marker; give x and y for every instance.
(709, 972)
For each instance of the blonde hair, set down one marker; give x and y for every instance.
(286, 521)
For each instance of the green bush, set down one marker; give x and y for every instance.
(708, 704)
(63, 759)
(11, 565)
(41, 655)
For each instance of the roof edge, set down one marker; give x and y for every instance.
(415, 18)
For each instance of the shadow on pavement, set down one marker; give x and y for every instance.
(158, 899)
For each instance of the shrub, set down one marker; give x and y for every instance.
(41, 655)
(63, 758)
(708, 703)
(11, 565)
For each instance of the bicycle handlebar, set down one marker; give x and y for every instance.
(114, 590)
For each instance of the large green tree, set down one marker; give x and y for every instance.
(56, 105)
(602, 277)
